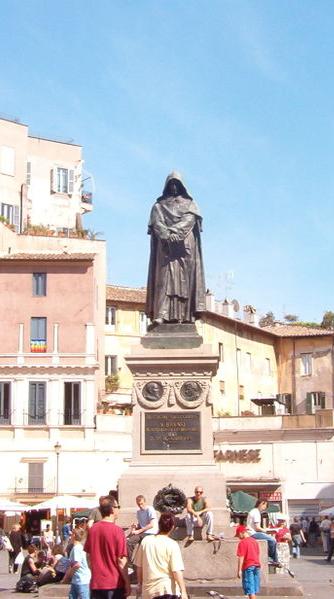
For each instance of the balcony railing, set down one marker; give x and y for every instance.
(37, 486)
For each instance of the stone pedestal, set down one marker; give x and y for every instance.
(172, 432)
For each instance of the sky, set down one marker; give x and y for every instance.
(236, 95)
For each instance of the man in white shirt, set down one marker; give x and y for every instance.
(324, 526)
(256, 531)
(147, 524)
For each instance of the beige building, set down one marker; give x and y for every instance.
(42, 182)
(272, 399)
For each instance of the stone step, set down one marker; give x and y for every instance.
(277, 587)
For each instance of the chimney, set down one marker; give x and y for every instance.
(228, 309)
(251, 316)
(210, 301)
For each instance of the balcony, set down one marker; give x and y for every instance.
(87, 201)
(25, 486)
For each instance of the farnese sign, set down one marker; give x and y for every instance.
(172, 432)
(238, 455)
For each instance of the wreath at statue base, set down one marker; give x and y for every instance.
(170, 499)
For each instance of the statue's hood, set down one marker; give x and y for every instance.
(177, 176)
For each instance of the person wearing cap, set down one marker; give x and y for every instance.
(249, 567)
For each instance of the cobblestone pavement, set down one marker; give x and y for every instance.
(315, 574)
(312, 571)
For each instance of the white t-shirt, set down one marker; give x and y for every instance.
(159, 556)
(253, 519)
(144, 517)
(325, 524)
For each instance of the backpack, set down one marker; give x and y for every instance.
(26, 584)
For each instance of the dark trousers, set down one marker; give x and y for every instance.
(107, 594)
(11, 559)
(331, 550)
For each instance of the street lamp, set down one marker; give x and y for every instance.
(57, 448)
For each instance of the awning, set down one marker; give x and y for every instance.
(266, 401)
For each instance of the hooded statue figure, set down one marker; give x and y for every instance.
(175, 287)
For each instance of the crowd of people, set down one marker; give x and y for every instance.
(93, 556)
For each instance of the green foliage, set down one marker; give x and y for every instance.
(111, 383)
(305, 323)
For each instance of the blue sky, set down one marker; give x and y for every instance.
(237, 95)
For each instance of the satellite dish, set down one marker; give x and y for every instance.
(236, 306)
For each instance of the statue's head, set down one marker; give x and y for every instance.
(174, 186)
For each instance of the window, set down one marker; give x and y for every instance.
(267, 367)
(39, 283)
(316, 400)
(221, 352)
(248, 361)
(285, 399)
(110, 365)
(35, 477)
(142, 323)
(28, 175)
(239, 359)
(110, 315)
(4, 403)
(62, 180)
(37, 403)
(222, 387)
(38, 335)
(306, 364)
(7, 162)
(241, 392)
(12, 215)
(72, 403)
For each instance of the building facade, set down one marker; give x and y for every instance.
(42, 181)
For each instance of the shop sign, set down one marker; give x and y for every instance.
(239, 455)
(271, 496)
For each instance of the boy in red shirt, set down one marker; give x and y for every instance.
(248, 553)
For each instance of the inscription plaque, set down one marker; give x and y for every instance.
(172, 431)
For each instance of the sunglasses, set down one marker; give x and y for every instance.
(117, 505)
(199, 492)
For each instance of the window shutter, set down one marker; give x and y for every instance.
(53, 180)
(16, 218)
(41, 402)
(288, 402)
(32, 402)
(322, 398)
(70, 181)
(28, 173)
(6, 401)
(76, 403)
(309, 403)
(67, 403)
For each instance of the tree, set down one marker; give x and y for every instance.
(328, 320)
(291, 317)
(268, 320)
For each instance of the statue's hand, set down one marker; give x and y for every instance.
(173, 237)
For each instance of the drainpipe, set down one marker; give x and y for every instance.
(237, 365)
(332, 373)
(293, 374)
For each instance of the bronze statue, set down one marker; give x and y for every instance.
(175, 287)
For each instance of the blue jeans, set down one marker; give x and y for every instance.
(251, 580)
(79, 591)
(272, 545)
